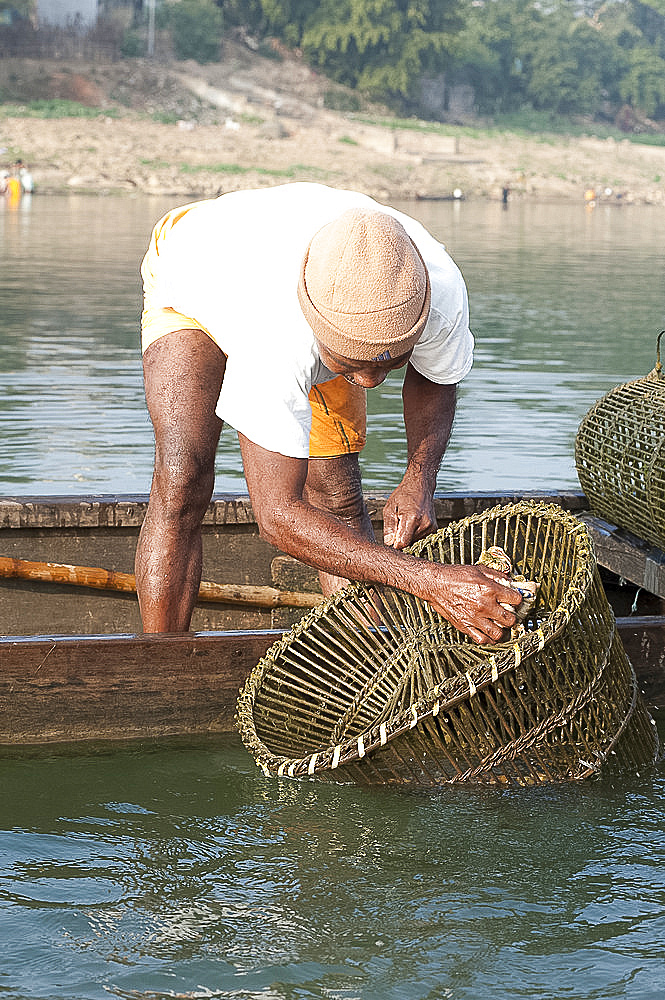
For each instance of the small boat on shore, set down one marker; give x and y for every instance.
(75, 668)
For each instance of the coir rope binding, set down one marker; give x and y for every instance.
(374, 686)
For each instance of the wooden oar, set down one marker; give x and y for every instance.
(104, 579)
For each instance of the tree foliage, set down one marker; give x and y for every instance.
(649, 18)
(643, 85)
(196, 28)
(287, 18)
(494, 52)
(573, 57)
(568, 74)
(564, 58)
(24, 8)
(381, 47)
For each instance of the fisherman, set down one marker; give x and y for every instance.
(274, 310)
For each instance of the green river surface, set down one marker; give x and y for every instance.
(565, 303)
(170, 871)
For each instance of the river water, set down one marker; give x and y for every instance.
(155, 872)
(565, 303)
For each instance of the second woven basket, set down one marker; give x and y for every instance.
(620, 455)
(374, 686)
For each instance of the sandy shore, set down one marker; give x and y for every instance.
(235, 132)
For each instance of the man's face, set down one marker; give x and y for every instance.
(367, 374)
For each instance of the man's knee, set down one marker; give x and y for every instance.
(182, 484)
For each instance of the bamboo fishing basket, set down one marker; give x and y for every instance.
(374, 686)
(620, 456)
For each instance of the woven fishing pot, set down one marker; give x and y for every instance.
(620, 456)
(374, 686)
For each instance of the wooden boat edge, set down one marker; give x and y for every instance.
(114, 685)
(117, 688)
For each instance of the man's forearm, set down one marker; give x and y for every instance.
(472, 598)
(429, 412)
(325, 542)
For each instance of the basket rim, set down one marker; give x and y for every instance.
(499, 658)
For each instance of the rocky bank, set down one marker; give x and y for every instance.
(195, 131)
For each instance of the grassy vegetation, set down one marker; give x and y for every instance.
(164, 117)
(543, 127)
(647, 140)
(296, 170)
(55, 108)
(155, 164)
(248, 119)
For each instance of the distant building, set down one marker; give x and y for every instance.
(66, 12)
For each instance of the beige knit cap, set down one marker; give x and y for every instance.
(364, 288)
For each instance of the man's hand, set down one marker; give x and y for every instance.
(408, 514)
(471, 599)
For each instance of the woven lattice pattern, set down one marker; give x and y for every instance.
(374, 686)
(620, 456)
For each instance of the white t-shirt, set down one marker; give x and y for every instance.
(232, 264)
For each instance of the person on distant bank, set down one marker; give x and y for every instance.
(274, 310)
(12, 189)
(26, 179)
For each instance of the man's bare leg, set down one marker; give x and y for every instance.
(183, 374)
(335, 485)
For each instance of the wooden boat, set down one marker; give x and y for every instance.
(74, 667)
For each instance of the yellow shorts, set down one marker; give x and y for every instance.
(339, 409)
(339, 417)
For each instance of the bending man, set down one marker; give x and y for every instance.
(274, 311)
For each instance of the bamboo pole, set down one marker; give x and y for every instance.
(105, 579)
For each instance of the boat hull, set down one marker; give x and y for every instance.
(114, 688)
(102, 531)
(74, 668)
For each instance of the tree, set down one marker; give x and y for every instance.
(24, 8)
(242, 13)
(287, 18)
(643, 85)
(382, 47)
(196, 27)
(570, 66)
(648, 16)
(521, 54)
(636, 33)
(494, 52)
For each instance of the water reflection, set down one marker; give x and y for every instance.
(564, 305)
(166, 873)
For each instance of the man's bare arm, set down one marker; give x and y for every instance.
(429, 411)
(470, 597)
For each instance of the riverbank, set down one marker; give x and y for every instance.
(256, 122)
